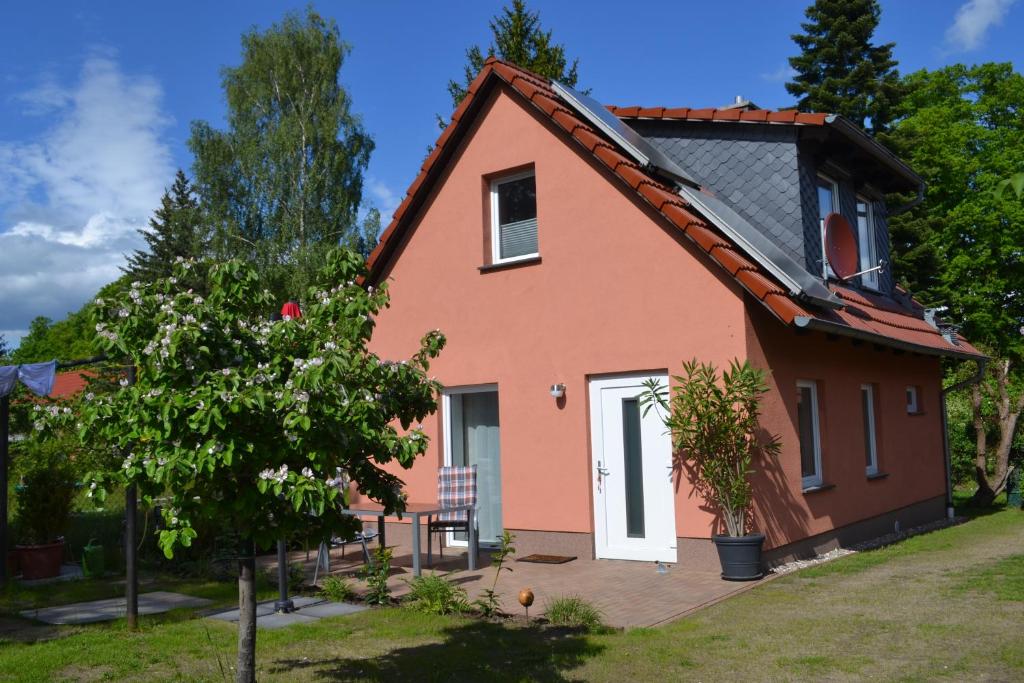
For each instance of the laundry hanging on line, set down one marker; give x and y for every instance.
(37, 377)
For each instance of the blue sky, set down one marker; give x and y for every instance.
(96, 98)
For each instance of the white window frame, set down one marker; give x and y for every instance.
(826, 266)
(496, 226)
(869, 280)
(815, 479)
(872, 446)
(913, 400)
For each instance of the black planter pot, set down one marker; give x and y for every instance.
(740, 556)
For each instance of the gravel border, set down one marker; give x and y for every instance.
(871, 544)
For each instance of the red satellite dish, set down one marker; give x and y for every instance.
(840, 246)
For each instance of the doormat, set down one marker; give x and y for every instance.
(547, 559)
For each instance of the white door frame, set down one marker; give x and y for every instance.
(659, 543)
(446, 429)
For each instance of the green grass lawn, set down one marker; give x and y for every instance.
(948, 605)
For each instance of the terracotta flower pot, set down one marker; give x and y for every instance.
(40, 561)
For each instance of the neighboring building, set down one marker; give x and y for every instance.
(549, 254)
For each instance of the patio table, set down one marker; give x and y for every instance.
(416, 511)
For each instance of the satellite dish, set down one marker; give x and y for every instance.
(840, 246)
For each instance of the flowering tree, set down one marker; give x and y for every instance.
(235, 417)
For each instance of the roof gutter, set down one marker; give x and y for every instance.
(948, 460)
(809, 323)
(875, 148)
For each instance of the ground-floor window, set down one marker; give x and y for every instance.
(867, 403)
(810, 434)
(472, 437)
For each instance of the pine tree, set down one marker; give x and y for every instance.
(518, 38)
(839, 69)
(174, 230)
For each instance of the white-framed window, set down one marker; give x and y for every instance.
(866, 242)
(514, 217)
(828, 196)
(828, 202)
(913, 407)
(867, 404)
(810, 434)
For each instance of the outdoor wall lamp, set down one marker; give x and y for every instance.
(557, 390)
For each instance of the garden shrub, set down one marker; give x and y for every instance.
(574, 612)
(376, 575)
(435, 594)
(336, 589)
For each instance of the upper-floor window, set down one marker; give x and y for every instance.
(866, 242)
(913, 407)
(828, 196)
(514, 217)
(828, 202)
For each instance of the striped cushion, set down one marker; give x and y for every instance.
(456, 486)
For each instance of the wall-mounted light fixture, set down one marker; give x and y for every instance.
(557, 390)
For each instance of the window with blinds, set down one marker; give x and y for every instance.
(514, 217)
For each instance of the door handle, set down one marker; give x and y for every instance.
(602, 471)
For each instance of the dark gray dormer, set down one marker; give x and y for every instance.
(767, 173)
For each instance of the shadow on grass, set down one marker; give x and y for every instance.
(474, 651)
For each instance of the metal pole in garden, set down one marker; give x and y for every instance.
(130, 549)
(5, 419)
(283, 604)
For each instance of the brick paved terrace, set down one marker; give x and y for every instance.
(629, 594)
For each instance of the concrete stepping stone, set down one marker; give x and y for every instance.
(307, 610)
(155, 602)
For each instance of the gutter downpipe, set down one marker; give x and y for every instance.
(948, 461)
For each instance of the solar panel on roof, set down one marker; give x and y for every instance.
(748, 238)
(631, 142)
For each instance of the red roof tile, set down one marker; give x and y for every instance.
(724, 114)
(876, 317)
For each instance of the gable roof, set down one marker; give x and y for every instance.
(876, 318)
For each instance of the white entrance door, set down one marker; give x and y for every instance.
(634, 505)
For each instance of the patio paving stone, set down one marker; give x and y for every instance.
(114, 608)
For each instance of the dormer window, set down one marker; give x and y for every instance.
(866, 242)
(514, 218)
(828, 194)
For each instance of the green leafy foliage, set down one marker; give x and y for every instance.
(336, 589)
(489, 603)
(962, 129)
(839, 70)
(572, 611)
(434, 594)
(283, 183)
(245, 421)
(518, 38)
(46, 490)
(716, 432)
(376, 576)
(175, 231)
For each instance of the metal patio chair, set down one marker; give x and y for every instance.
(455, 486)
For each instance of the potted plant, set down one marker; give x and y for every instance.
(44, 496)
(716, 437)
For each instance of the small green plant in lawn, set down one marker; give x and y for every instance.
(488, 602)
(376, 575)
(336, 589)
(574, 612)
(435, 594)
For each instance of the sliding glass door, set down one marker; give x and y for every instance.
(472, 438)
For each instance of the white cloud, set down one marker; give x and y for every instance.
(784, 73)
(383, 197)
(973, 20)
(72, 199)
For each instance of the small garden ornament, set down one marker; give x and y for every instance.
(526, 599)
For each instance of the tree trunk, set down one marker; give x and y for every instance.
(1008, 414)
(245, 670)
